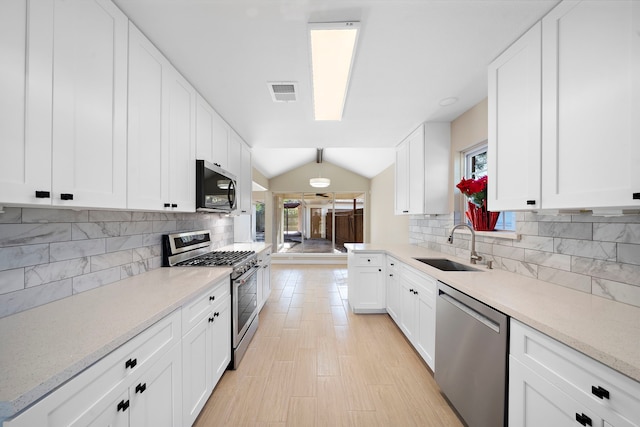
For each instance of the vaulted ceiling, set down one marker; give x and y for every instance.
(411, 54)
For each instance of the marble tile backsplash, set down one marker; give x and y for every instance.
(49, 254)
(592, 254)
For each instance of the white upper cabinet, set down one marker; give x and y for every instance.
(591, 105)
(161, 149)
(89, 104)
(181, 122)
(25, 98)
(63, 104)
(245, 180)
(148, 154)
(422, 171)
(573, 84)
(514, 125)
(235, 154)
(212, 135)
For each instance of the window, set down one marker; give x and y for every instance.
(475, 166)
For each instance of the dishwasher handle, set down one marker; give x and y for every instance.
(471, 312)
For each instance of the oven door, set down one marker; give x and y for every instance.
(245, 303)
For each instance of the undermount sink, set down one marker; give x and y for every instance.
(445, 264)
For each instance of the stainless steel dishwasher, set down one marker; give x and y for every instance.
(471, 357)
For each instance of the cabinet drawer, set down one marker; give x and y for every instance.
(393, 266)
(373, 260)
(578, 375)
(201, 305)
(66, 404)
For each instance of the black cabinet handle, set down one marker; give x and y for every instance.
(583, 419)
(42, 195)
(368, 260)
(66, 196)
(174, 205)
(212, 298)
(636, 196)
(167, 205)
(218, 165)
(392, 264)
(216, 314)
(211, 319)
(131, 363)
(531, 202)
(390, 275)
(140, 388)
(379, 269)
(600, 392)
(411, 290)
(415, 292)
(405, 211)
(122, 406)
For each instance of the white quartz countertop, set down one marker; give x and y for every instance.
(251, 246)
(605, 330)
(43, 347)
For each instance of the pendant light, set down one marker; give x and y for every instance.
(319, 182)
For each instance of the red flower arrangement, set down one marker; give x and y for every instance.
(476, 191)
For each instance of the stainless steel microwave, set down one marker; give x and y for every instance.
(215, 188)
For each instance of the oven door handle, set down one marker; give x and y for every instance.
(243, 279)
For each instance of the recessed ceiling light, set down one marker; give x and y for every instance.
(448, 101)
(333, 47)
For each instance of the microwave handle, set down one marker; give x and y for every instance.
(231, 194)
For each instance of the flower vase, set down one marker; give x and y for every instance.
(481, 218)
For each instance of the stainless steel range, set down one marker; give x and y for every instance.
(193, 249)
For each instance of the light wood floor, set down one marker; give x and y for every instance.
(314, 363)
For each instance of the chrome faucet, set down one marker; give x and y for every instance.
(474, 255)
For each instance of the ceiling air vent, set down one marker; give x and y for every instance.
(282, 91)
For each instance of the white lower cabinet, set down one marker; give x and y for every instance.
(95, 395)
(418, 311)
(366, 280)
(551, 384)
(206, 348)
(264, 277)
(533, 401)
(393, 288)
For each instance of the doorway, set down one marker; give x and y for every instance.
(318, 223)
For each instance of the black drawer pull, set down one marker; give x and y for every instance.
(390, 275)
(167, 205)
(122, 406)
(405, 211)
(140, 388)
(174, 205)
(42, 195)
(583, 419)
(531, 202)
(211, 319)
(636, 196)
(131, 363)
(216, 314)
(212, 298)
(600, 392)
(66, 196)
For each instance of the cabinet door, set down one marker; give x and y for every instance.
(244, 180)
(416, 171)
(408, 311)
(156, 398)
(591, 105)
(514, 125)
(221, 136)
(402, 179)
(393, 293)
(25, 101)
(266, 278)
(426, 330)
(111, 413)
(148, 173)
(197, 369)
(535, 402)
(89, 104)
(204, 130)
(220, 341)
(369, 284)
(180, 98)
(235, 154)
